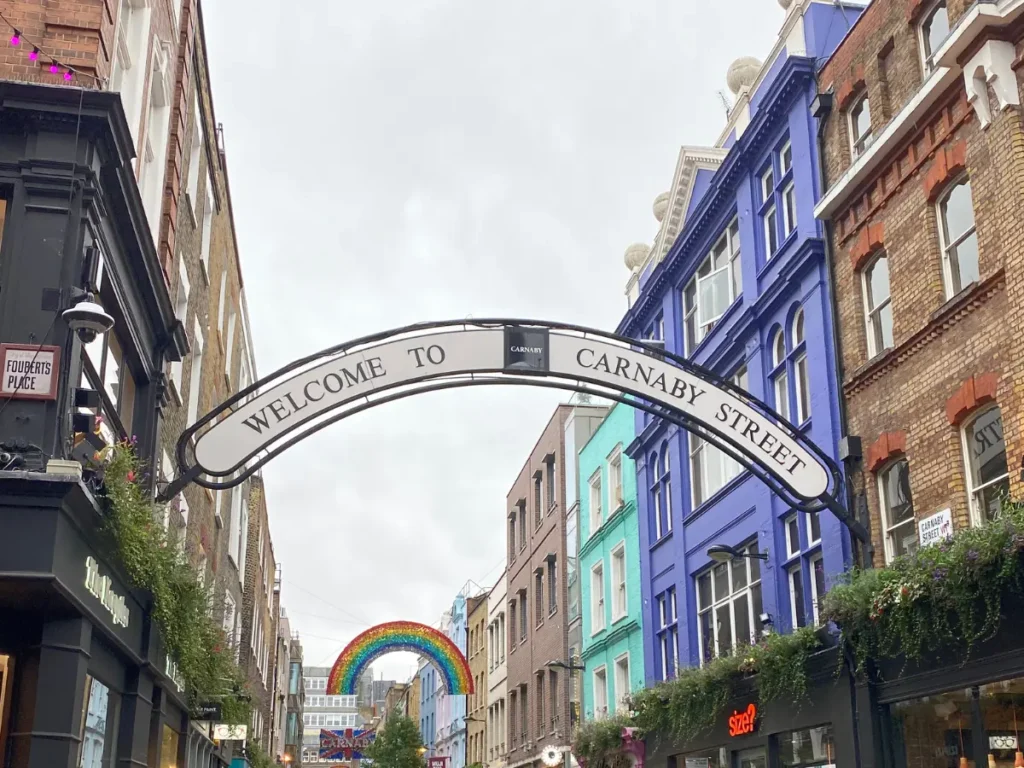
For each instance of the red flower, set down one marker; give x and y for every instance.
(131, 475)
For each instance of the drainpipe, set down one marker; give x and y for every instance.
(849, 445)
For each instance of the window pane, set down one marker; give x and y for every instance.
(878, 282)
(721, 576)
(707, 636)
(792, 536)
(987, 458)
(771, 231)
(724, 621)
(741, 610)
(796, 586)
(789, 209)
(896, 487)
(715, 296)
(808, 747)
(755, 599)
(803, 390)
(767, 185)
(818, 574)
(936, 29)
(814, 525)
(958, 212)
(755, 564)
(782, 395)
(965, 259)
(786, 158)
(704, 590)
(739, 573)
(881, 323)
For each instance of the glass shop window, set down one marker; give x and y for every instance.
(807, 748)
(99, 725)
(169, 748)
(933, 731)
(717, 757)
(1001, 708)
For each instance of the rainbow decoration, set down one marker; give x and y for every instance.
(393, 636)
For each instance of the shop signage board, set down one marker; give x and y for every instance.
(743, 722)
(230, 732)
(260, 423)
(208, 712)
(346, 744)
(102, 588)
(935, 528)
(29, 371)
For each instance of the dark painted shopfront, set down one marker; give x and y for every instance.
(83, 681)
(814, 733)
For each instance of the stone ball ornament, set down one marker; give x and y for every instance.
(660, 206)
(785, 4)
(551, 756)
(742, 73)
(636, 255)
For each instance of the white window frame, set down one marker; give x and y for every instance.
(616, 497)
(949, 244)
(977, 517)
(668, 632)
(792, 547)
(885, 507)
(872, 313)
(859, 142)
(730, 600)
(927, 56)
(793, 574)
(622, 694)
(817, 557)
(601, 711)
(208, 211)
(801, 372)
(787, 149)
(196, 374)
(701, 450)
(598, 620)
(596, 501)
(730, 255)
(811, 538)
(789, 212)
(620, 590)
(780, 381)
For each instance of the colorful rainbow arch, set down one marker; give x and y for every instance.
(393, 636)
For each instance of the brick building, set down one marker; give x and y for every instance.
(537, 626)
(476, 705)
(924, 172)
(259, 618)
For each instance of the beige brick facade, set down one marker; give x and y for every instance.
(476, 705)
(953, 353)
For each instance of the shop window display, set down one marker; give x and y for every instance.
(807, 747)
(708, 758)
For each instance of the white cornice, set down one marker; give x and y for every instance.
(967, 30)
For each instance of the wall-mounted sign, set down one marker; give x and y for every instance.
(342, 379)
(208, 712)
(101, 588)
(935, 528)
(742, 723)
(172, 672)
(229, 732)
(29, 371)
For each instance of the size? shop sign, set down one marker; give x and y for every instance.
(742, 723)
(29, 371)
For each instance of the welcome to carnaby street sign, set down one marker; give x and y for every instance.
(347, 744)
(251, 428)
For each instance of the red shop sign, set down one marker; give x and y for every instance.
(742, 723)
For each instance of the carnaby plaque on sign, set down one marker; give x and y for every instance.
(347, 744)
(29, 371)
(526, 349)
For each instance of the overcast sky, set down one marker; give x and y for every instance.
(411, 160)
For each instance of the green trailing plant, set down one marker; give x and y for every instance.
(691, 704)
(949, 596)
(181, 601)
(256, 755)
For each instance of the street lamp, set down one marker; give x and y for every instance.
(723, 553)
(572, 667)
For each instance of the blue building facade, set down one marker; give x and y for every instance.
(609, 566)
(737, 281)
(450, 738)
(428, 705)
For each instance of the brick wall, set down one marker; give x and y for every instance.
(476, 705)
(951, 355)
(546, 641)
(259, 621)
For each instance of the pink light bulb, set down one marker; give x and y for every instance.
(34, 56)
(68, 75)
(16, 38)
(54, 68)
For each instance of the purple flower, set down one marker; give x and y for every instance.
(940, 573)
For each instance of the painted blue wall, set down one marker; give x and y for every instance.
(428, 706)
(620, 635)
(773, 288)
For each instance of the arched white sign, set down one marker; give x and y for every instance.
(521, 350)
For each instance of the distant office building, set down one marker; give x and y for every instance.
(322, 712)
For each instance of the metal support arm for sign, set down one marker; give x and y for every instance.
(234, 440)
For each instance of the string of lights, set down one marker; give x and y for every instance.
(37, 54)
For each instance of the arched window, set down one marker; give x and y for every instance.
(988, 477)
(959, 239)
(661, 494)
(790, 375)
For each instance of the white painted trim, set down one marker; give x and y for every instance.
(947, 70)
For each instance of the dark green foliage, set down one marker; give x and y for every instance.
(398, 744)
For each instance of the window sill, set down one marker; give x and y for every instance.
(617, 619)
(665, 537)
(553, 612)
(773, 257)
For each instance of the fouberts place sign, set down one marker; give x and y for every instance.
(512, 351)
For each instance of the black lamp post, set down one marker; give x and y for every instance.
(723, 553)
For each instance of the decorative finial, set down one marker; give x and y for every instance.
(742, 73)
(636, 255)
(661, 205)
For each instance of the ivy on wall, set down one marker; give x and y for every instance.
(181, 604)
(696, 699)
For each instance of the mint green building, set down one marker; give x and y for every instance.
(609, 567)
